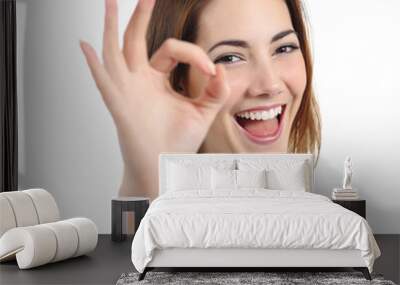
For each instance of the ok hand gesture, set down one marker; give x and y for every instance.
(151, 117)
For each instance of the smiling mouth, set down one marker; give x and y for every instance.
(261, 125)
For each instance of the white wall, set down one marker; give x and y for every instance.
(67, 140)
(357, 84)
(68, 144)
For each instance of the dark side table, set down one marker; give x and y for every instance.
(119, 205)
(357, 206)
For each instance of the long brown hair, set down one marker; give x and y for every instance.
(179, 19)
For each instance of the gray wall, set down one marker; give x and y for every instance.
(68, 144)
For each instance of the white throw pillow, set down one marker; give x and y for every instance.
(251, 178)
(230, 180)
(293, 179)
(223, 179)
(188, 177)
(204, 162)
(281, 174)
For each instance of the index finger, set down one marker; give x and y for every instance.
(135, 47)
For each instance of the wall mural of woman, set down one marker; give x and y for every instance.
(214, 76)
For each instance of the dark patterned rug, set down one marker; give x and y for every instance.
(270, 278)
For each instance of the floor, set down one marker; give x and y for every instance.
(102, 266)
(111, 259)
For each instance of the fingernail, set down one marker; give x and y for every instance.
(82, 44)
(212, 68)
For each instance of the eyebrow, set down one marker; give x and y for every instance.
(243, 44)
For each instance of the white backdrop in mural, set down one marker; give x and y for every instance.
(68, 144)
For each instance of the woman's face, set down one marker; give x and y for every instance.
(266, 74)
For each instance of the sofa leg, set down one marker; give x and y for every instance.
(364, 271)
(142, 275)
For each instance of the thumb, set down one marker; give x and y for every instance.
(215, 94)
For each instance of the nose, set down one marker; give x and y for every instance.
(265, 80)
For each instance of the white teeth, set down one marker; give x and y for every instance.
(261, 115)
(265, 115)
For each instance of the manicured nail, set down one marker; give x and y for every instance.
(212, 68)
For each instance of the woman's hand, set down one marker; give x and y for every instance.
(150, 117)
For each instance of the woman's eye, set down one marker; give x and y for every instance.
(227, 59)
(287, 49)
(230, 58)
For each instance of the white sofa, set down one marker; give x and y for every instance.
(32, 233)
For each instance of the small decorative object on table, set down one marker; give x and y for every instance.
(346, 192)
(119, 205)
(347, 196)
(348, 173)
